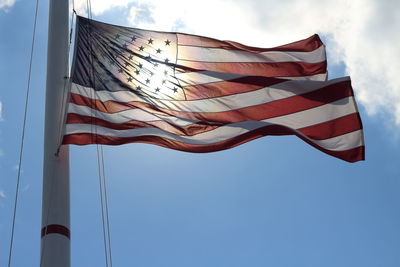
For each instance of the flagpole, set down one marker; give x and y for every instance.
(55, 232)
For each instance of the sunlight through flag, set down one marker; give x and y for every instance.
(199, 94)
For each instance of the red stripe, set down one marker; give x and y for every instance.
(278, 69)
(231, 87)
(351, 155)
(321, 131)
(333, 128)
(306, 45)
(189, 130)
(55, 229)
(272, 109)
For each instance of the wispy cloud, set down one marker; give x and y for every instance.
(25, 188)
(1, 119)
(6, 4)
(1, 112)
(2, 194)
(365, 41)
(16, 168)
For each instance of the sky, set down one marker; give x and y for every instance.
(274, 201)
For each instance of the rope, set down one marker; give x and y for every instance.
(62, 114)
(23, 135)
(100, 159)
(106, 201)
(102, 206)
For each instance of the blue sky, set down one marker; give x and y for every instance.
(274, 201)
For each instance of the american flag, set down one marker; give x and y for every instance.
(199, 94)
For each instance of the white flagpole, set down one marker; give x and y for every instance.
(55, 242)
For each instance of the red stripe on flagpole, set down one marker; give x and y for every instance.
(56, 229)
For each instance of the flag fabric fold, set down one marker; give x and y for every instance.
(199, 94)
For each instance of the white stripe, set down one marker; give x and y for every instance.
(127, 115)
(219, 104)
(204, 77)
(295, 121)
(342, 142)
(315, 77)
(201, 54)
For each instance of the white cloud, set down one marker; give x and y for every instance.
(99, 6)
(2, 194)
(362, 34)
(365, 41)
(6, 4)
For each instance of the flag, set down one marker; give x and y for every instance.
(199, 94)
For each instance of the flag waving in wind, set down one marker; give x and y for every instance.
(199, 94)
